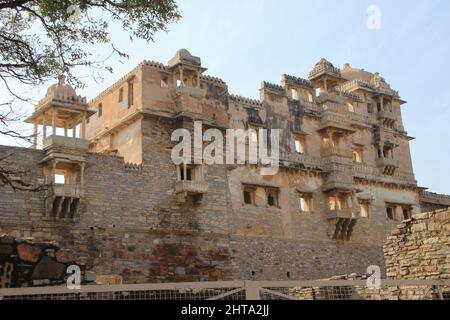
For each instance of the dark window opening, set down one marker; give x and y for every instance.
(188, 174)
(390, 213)
(100, 110)
(406, 214)
(130, 94)
(247, 197)
(270, 200)
(120, 94)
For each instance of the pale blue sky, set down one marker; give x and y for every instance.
(245, 42)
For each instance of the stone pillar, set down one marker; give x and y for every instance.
(65, 130)
(178, 173)
(44, 128)
(83, 126)
(181, 77)
(82, 166)
(198, 79)
(52, 178)
(382, 104)
(185, 171)
(54, 112)
(336, 201)
(325, 87)
(381, 146)
(34, 146)
(74, 131)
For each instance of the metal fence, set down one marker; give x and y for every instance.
(243, 290)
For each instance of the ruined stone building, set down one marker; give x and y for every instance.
(112, 194)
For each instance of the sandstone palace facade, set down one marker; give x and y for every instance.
(112, 196)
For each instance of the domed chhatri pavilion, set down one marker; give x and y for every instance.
(111, 194)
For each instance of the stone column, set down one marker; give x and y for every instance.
(54, 112)
(44, 128)
(336, 201)
(74, 131)
(198, 79)
(52, 178)
(185, 171)
(381, 146)
(82, 166)
(181, 77)
(83, 126)
(34, 146)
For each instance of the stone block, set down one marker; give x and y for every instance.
(28, 252)
(48, 269)
(65, 256)
(6, 239)
(6, 249)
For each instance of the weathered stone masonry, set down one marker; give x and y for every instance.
(125, 209)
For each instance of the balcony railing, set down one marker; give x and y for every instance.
(195, 92)
(66, 190)
(55, 141)
(386, 115)
(191, 187)
(347, 213)
(334, 151)
(387, 162)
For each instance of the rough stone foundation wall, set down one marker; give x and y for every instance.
(420, 247)
(24, 263)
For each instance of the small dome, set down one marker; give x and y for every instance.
(184, 56)
(62, 90)
(184, 53)
(324, 67)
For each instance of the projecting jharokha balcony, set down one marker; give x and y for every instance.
(334, 151)
(63, 142)
(66, 190)
(63, 201)
(387, 165)
(347, 213)
(186, 188)
(387, 117)
(195, 92)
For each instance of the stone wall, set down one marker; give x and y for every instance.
(430, 201)
(364, 293)
(24, 263)
(420, 247)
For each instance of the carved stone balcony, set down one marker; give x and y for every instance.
(66, 190)
(194, 92)
(341, 228)
(330, 97)
(339, 181)
(333, 120)
(63, 201)
(185, 188)
(387, 166)
(347, 213)
(334, 151)
(62, 142)
(387, 118)
(187, 99)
